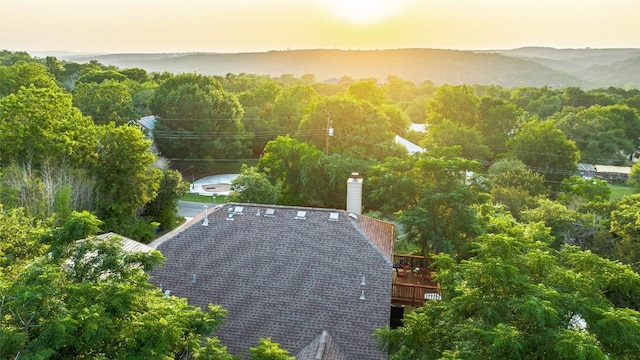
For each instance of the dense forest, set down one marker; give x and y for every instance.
(535, 259)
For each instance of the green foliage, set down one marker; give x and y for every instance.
(366, 90)
(431, 198)
(268, 350)
(252, 186)
(515, 186)
(126, 180)
(164, 207)
(98, 76)
(554, 215)
(516, 298)
(19, 242)
(625, 222)
(546, 150)
(292, 166)
(108, 101)
(497, 118)
(634, 176)
(454, 103)
(198, 120)
(447, 134)
(92, 299)
(601, 133)
(41, 123)
(575, 188)
(398, 120)
(24, 74)
(360, 129)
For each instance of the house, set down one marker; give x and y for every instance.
(614, 174)
(316, 281)
(128, 245)
(147, 124)
(411, 147)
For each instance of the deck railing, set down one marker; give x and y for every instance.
(414, 294)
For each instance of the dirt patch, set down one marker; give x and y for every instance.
(214, 188)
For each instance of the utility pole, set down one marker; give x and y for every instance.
(328, 133)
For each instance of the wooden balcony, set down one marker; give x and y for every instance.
(413, 282)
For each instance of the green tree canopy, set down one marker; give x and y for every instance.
(126, 179)
(360, 129)
(456, 103)
(41, 123)
(24, 74)
(252, 186)
(106, 102)
(431, 197)
(95, 303)
(517, 298)
(546, 150)
(448, 133)
(198, 120)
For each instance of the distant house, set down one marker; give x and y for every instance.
(587, 171)
(316, 281)
(411, 147)
(616, 174)
(147, 124)
(128, 245)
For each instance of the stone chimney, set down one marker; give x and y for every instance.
(354, 194)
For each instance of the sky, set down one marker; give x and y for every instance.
(228, 26)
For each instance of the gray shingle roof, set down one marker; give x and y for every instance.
(284, 278)
(321, 348)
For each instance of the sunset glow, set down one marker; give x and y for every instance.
(263, 25)
(365, 11)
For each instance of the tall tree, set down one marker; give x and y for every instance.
(431, 197)
(359, 129)
(456, 103)
(106, 102)
(41, 123)
(198, 120)
(293, 166)
(448, 133)
(546, 150)
(96, 302)
(516, 298)
(126, 180)
(24, 74)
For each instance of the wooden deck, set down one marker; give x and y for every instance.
(413, 282)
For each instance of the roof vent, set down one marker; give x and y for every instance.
(333, 216)
(205, 221)
(302, 215)
(230, 216)
(238, 209)
(353, 216)
(258, 212)
(167, 293)
(362, 296)
(270, 212)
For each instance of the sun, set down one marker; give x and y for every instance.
(364, 11)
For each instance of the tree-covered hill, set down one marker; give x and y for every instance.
(557, 68)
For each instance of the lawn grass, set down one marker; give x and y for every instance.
(220, 199)
(618, 191)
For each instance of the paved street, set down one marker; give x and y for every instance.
(191, 209)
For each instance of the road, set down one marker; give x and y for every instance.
(191, 209)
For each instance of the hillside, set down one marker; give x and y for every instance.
(587, 68)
